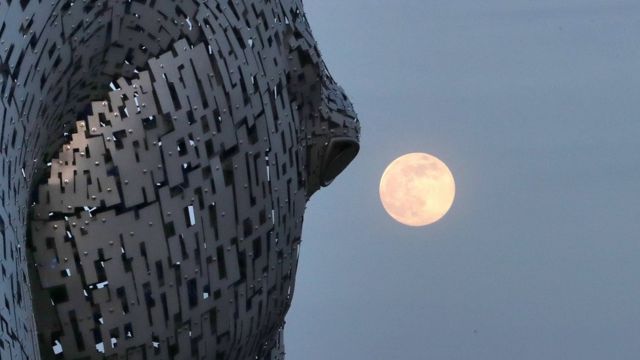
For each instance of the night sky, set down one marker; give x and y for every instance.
(535, 108)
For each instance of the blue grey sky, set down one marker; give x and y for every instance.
(535, 107)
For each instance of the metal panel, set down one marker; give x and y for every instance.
(156, 161)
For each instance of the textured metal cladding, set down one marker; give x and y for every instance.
(156, 160)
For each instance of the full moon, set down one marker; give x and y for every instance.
(417, 189)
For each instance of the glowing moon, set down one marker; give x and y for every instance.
(417, 189)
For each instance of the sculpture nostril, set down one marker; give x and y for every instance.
(340, 153)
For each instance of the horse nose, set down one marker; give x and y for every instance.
(343, 143)
(340, 152)
(339, 135)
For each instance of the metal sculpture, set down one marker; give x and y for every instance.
(157, 157)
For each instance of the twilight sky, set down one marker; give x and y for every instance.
(535, 107)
